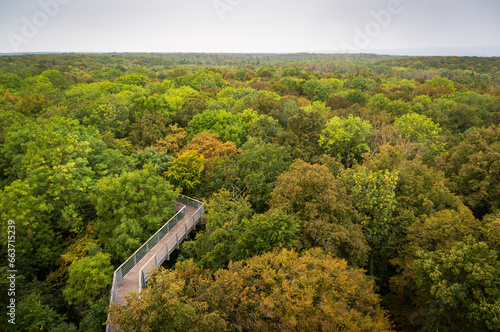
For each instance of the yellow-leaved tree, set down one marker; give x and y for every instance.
(185, 171)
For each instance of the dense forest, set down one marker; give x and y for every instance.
(342, 192)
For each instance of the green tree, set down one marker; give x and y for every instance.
(422, 132)
(420, 189)
(292, 86)
(379, 102)
(231, 233)
(56, 78)
(77, 100)
(461, 287)
(8, 119)
(33, 314)
(11, 81)
(357, 97)
(438, 231)
(95, 316)
(346, 138)
(460, 118)
(290, 72)
(485, 106)
(317, 90)
(490, 232)
(49, 198)
(189, 110)
(228, 126)
(206, 79)
(427, 216)
(213, 247)
(441, 82)
(362, 83)
(167, 104)
(474, 170)
(150, 128)
(88, 278)
(265, 128)
(160, 159)
(373, 195)
(398, 108)
(142, 195)
(126, 238)
(322, 208)
(43, 86)
(108, 115)
(263, 233)
(267, 103)
(442, 229)
(259, 166)
(261, 126)
(303, 134)
(416, 127)
(289, 107)
(132, 79)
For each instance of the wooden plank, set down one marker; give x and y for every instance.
(130, 283)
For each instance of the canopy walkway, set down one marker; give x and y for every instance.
(133, 274)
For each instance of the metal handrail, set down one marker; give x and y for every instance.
(123, 269)
(158, 260)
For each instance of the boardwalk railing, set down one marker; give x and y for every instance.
(173, 243)
(164, 252)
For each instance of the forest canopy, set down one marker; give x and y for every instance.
(342, 192)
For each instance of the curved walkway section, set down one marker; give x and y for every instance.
(133, 274)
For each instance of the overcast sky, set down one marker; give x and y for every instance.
(274, 26)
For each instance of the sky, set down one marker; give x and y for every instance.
(451, 27)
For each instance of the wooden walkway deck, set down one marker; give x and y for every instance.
(133, 274)
(131, 282)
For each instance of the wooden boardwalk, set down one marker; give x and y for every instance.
(131, 282)
(133, 274)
